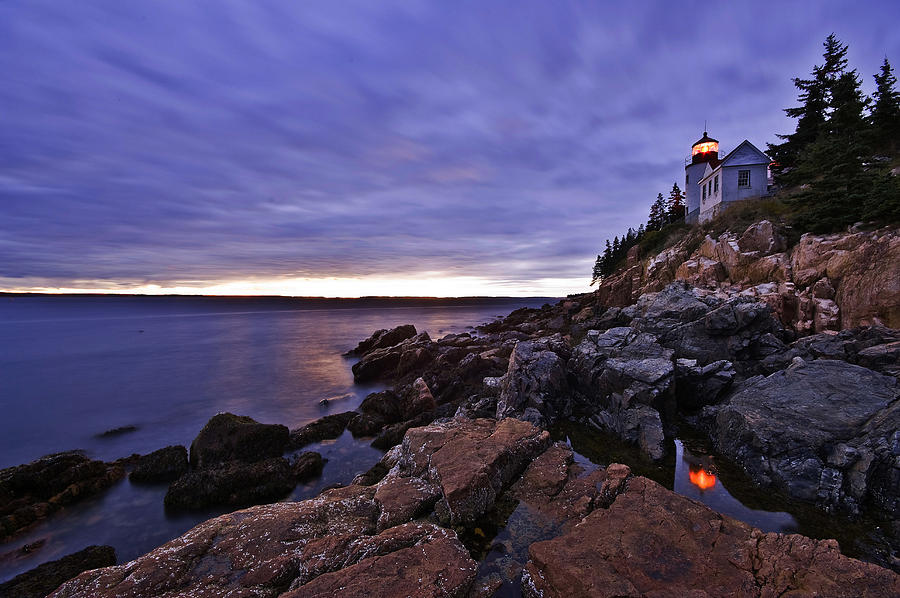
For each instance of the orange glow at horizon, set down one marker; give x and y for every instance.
(426, 284)
(701, 478)
(703, 148)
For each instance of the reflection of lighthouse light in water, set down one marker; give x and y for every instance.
(696, 477)
(701, 478)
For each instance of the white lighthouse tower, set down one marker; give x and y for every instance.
(703, 152)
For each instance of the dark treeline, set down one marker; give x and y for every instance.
(836, 165)
(662, 213)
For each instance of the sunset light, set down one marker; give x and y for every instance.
(427, 284)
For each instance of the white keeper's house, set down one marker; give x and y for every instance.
(711, 184)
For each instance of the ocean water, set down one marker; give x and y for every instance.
(72, 368)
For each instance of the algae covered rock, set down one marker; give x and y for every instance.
(228, 437)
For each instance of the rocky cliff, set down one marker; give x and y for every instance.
(823, 282)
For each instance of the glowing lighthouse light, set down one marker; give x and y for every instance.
(705, 148)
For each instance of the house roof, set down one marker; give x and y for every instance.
(755, 157)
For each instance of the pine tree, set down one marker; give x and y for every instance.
(885, 117)
(811, 115)
(835, 165)
(675, 205)
(656, 219)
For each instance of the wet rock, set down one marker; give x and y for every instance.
(392, 435)
(535, 387)
(793, 429)
(882, 358)
(486, 587)
(365, 424)
(653, 542)
(43, 579)
(384, 405)
(558, 488)
(234, 484)
(415, 560)
(307, 465)
(395, 361)
(112, 433)
(228, 437)
(676, 304)
(471, 461)
(31, 492)
(163, 465)
(403, 499)
(697, 386)
(624, 377)
(740, 329)
(324, 428)
(384, 338)
(419, 399)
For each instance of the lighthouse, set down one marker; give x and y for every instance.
(703, 152)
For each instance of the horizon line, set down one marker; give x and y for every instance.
(243, 296)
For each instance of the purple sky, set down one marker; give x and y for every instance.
(194, 144)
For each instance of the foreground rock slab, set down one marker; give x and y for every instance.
(653, 542)
(825, 431)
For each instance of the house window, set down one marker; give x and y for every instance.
(716, 185)
(704, 192)
(743, 178)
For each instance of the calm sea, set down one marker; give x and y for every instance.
(74, 367)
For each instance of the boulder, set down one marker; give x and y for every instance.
(235, 483)
(556, 487)
(702, 272)
(824, 431)
(653, 542)
(163, 465)
(324, 428)
(697, 386)
(624, 377)
(403, 499)
(535, 387)
(307, 465)
(740, 329)
(228, 437)
(31, 492)
(762, 238)
(470, 461)
(43, 579)
(392, 362)
(384, 338)
(419, 400)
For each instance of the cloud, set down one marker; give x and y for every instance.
(224, 141)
